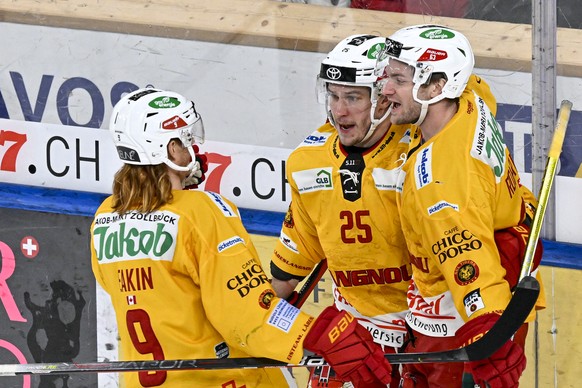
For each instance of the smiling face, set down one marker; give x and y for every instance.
(398, 88)
(350, 107)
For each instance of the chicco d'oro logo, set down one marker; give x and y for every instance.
(333, 73)
(164, 102)
(437, 33)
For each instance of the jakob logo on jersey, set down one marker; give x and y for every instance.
(351, 176)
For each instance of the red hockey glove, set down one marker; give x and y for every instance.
(504, 368)
(348, 348)
(196, 177)
(511, 243)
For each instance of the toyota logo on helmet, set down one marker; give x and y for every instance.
(333, 73)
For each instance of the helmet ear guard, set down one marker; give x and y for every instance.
(145, 121)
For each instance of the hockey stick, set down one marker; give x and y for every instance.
(546, 186)
(519, 307)
(310, 283)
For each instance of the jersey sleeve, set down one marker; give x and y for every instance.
(236, 293)
(298, 249)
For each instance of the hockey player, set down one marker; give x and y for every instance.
(184, 277)
(459, 185)
(343, 201)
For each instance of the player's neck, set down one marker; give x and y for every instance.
(438, 116)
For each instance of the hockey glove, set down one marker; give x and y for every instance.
(511, 243)
(348, 348)
(504, 368)
(196, 176)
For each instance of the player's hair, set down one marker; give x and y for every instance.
(141, 188)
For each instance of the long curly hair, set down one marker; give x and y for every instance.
(141, 188)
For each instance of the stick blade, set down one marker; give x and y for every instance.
(523, 301)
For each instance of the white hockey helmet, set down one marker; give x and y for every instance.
(352, 62)
(431, 49)
(143, 123)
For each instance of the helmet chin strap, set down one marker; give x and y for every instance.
(375, 122)
(424, 103)
(188, 168)
(423, 110)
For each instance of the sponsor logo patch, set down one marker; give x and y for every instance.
(290, 244)
(423, 168)
(229, 243)
(466, 272)
(283, 316)
(315, 139)
(221, 204)
(437, 207)
(164, 102)
(473, 302)
(313, 180)
(386, 179)
(221, 350)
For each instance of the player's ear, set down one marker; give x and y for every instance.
(174, 147)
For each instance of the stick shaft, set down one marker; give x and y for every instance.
(310, 283)
(546, 187)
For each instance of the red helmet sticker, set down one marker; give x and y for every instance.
(433, 55)
(174, 123)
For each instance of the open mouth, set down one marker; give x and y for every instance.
(346, 127)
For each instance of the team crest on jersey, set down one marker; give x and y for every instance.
(423, 167)
(288, 221)
(315, 179)
(473, 302)
(466, 272)
(265, 299)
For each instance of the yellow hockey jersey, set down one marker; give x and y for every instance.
(186, 283)
(343, 208)
(458, 188)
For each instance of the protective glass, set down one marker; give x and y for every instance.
(193, 133)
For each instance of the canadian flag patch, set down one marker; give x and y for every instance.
(131, 300)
